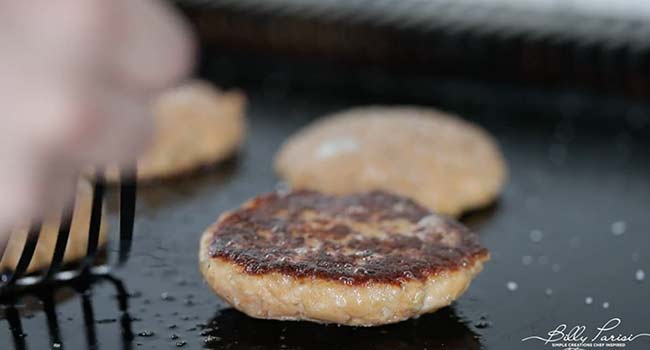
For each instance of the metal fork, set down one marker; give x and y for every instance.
(82, 287)
(17, 281)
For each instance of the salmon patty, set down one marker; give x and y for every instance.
(77, 239)
(443, 162)
(196, 125)
(362, 259)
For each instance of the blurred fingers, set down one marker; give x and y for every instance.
(154, 48)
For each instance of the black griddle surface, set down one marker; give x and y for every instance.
(571, 177)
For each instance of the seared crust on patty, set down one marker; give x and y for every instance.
(362, 259)
(358, 238)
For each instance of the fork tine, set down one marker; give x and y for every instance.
(52, 319)
(16, 327)
(89, 320)
(28, 253)
(95, 221)
(123, 305)
(61, 242)
(127, 212)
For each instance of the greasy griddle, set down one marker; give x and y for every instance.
(572, 174)
(579, 163)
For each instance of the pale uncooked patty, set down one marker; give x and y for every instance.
(443, 162)
(365, 259)
(77, 241)
(196, 125)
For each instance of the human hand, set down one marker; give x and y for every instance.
(76, 81)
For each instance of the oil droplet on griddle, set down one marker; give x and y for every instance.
(211, 339)
(618, 228)
(526, 259)
(512, 286)
(605, 305)
(146, 334)
(549, 292)
(165, 296)
(589, 300)
(536, 236)
(639, 275)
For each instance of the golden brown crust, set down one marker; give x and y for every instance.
(77, 241)
(353, 239)
(441, 161)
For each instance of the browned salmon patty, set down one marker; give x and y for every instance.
(363, 259)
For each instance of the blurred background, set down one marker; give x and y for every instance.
(400, 47)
